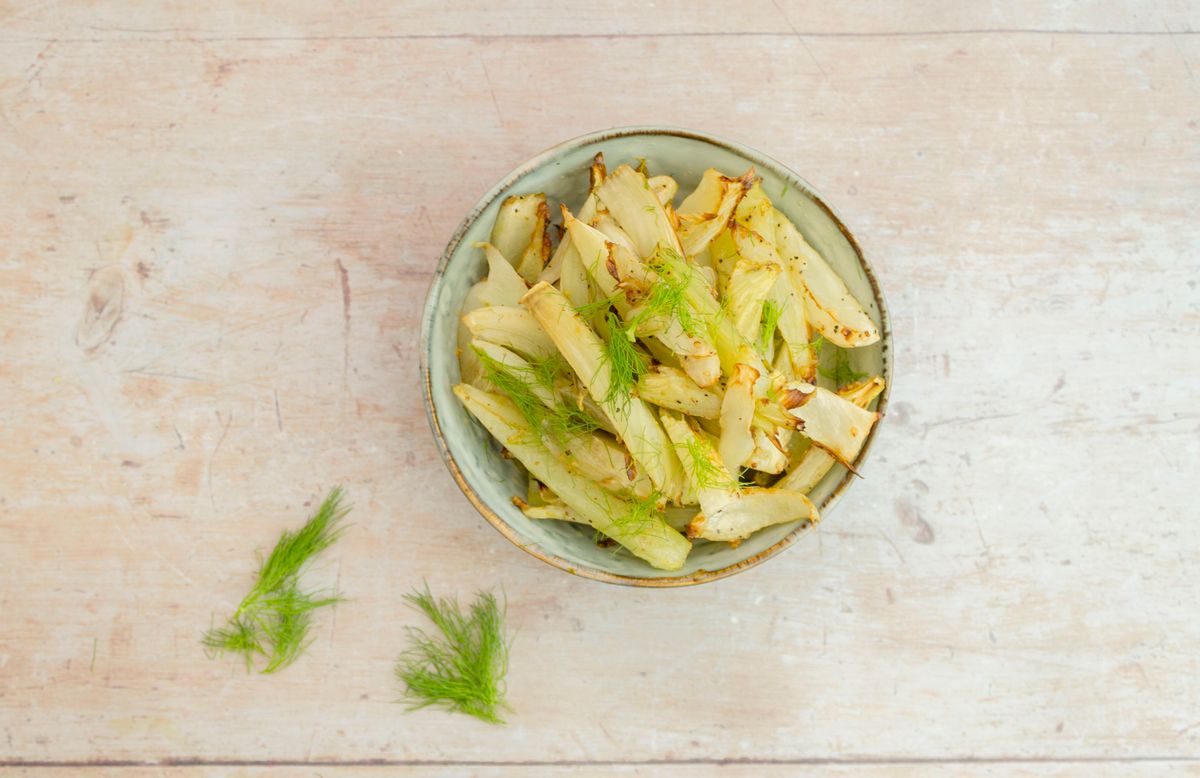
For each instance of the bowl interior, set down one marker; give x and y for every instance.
(561, 174)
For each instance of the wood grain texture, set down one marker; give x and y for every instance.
(657, 770)
(175, 20)
(219, 228)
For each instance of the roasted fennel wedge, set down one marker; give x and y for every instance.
(677, 360)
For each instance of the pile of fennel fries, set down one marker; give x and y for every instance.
(658, 373)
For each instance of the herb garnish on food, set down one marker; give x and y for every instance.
(841, 373)
(274, 619)
(668, 297)
(770, 322)
(681, 331)
(625, 363)
(642, 515)
(560, 419)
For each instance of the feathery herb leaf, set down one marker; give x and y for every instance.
(625, 363)
(708, 473)
(588, 310)
(560, 419)
(841, 373)
(461, 666)
(546, 372)
(770, 320)
(274, 619)
(668, 296)
(642, 514)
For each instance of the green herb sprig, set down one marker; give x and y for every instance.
(668, 296)
(273, 621)
(460, 667)
(841, 373)
(708, 474)
(588, 310)
(625, 363)
(546, 372)
(770, 321)
(642, 514)
(561, 420)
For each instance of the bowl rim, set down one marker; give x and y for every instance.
(427, 316)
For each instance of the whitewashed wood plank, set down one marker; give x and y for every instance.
(1011, 579)
(957, 770)
(33, 19)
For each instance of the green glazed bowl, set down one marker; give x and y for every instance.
(473, 457)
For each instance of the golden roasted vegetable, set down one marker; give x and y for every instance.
(737, 411)
(637, 527)
(551, 510)
(729, 510)
(511, 327)
(554, 268)
(664, 188)
(833, 309)
(863, 393)
(610, 382)
(755, 212)
(669, 387)
(812, 464)
(751, 510)
(789, 298)
(749, 287)
(657, 369)
(832, 422)
(504, 286)
(707, 212)
(598, 457)
(702, 302)
(520, 234)
(768, 455)
(468, 363)
(652, 306)
(533, 260)
(628, 196)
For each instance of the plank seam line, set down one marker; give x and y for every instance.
(814, 761)
(588, 36)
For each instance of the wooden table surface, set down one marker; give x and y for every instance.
(218, 227)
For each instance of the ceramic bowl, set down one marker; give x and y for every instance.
(473, 457)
